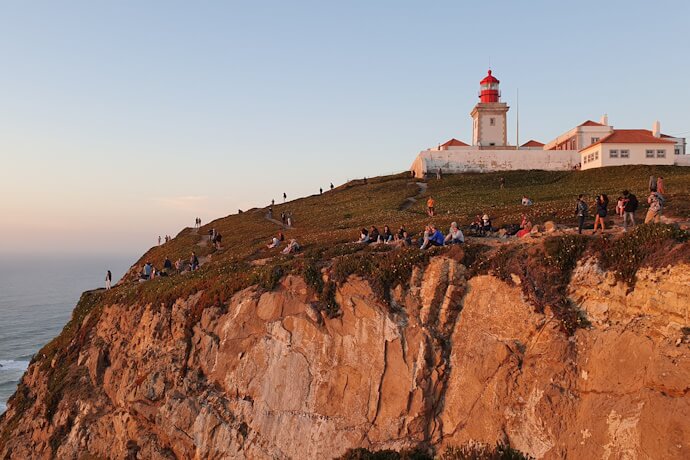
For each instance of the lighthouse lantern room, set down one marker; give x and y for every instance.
(489, 125)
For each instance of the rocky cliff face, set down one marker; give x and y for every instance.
(450, 360)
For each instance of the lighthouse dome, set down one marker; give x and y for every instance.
(489, 79)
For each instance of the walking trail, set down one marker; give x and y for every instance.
(407, 204)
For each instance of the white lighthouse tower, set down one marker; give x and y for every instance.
(489, 127)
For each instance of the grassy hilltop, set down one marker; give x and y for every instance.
(325, 224)
(337, 216)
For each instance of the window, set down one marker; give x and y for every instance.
(492, 144)
(596, 155)
(661, 153)
(492, 121)
(677, 151)
(649, 153)
(595, 140)
(613, 153)
(625, 153)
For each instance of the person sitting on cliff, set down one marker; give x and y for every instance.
(400, 234)
(374, 234)
(387, 235)
(363, 236)
(486, 224)
(148, 269)
(525, 230)
(433, 237)
(403, 240)
(454, 235)
(275, 242)
(292, 247)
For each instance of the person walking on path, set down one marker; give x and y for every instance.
(108, 280)
(660, 185)
(656, 206)
(194, 261)
(630, 205)
(430, 207)
(581, 213)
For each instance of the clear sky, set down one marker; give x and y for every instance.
(123, 120)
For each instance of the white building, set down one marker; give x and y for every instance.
(588, 145)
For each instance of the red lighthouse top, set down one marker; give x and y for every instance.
(489, 89)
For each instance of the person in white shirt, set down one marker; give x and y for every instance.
(454, 235)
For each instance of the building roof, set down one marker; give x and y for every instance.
(630, 136)
(590, 123)
(454, 143)
(489, 79)
(532, 143)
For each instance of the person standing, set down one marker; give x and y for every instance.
(159, 240)
(660, 185)
(430, 207)
(320, 190)
(656, 206)
(502, 182)
(108, 280)
(652, 184)
(581, 212)
(331, 186)
(284, 197)
(438, 174)
(630, 205)
(602, 204)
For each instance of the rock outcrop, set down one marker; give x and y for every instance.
(449, 360)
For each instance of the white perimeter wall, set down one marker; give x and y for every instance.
(475, 160)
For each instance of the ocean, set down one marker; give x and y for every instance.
(37, 296)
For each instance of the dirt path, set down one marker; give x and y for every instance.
(407, 204)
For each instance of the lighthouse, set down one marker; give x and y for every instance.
(489, 125)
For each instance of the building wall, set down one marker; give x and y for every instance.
(483, 131)
(471, 159)
(681, 160)
(637, 155)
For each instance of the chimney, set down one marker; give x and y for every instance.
(604, 120)
(656, 129)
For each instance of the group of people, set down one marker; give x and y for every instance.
(167, 238)
(197, 222)
(626, 206)
(215, 238)
(291, 248)
(432, 236)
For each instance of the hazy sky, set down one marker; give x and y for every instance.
(123, 120)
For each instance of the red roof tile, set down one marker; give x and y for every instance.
(591, 123)
(532, 143)
(631, 136)
(454, 143)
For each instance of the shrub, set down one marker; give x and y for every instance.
(483, 452)
(626, 255)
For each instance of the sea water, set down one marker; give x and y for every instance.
(37, 296)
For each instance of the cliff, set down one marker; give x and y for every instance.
(561, 347)
(449, 360)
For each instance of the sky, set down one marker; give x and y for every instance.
(124, 120)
